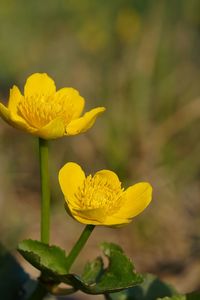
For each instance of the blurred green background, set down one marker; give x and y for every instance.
(141, 60)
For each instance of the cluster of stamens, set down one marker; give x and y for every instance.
(39, 110)
(97, 192)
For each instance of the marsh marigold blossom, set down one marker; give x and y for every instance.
(100, 199)
(45, 112)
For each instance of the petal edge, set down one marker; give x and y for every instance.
(84, 123)
(39, 83)
(52, 130)
(137, 198)
(70, 177)
(14, 99)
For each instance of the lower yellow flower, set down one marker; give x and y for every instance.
(99, 199)
(45, 112)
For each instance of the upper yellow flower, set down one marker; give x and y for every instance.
(100, 200)
(45, 112)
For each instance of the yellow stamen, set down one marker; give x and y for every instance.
(97, 192)
(39, 110)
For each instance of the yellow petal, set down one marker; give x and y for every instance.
(14, 99)
(71, 100)
(97, 217)
(84, 123)
(90, 216)
(39, 84)
(116, 221)
(71, 177)
(110, 177)
(136, 198)
(4, 113)
(52, 130)
(14, 120)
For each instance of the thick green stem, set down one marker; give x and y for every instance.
(79, 245)
(45, 191)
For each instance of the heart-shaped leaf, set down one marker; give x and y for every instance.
(52, 261)
(119, 274)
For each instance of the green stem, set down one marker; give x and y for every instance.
(45, 191)
(39, 293)
(79, 245)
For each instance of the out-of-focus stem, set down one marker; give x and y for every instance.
(45, 191)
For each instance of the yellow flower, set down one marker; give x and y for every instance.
(99, 199)
(45, 112)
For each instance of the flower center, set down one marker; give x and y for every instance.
(39, 110)
(97, 192)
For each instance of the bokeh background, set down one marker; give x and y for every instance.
(140, 59)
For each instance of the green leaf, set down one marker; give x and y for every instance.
(150, 289)
(96, 279)
(92, 271)
(119, 274)
(51, 260)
